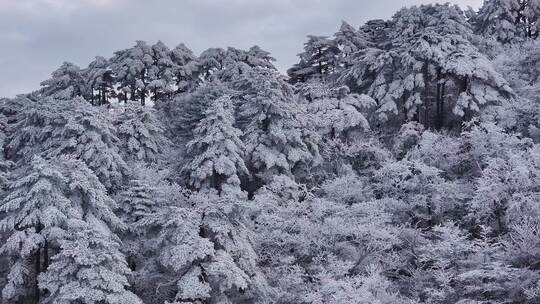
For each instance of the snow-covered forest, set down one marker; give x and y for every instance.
(398, 162)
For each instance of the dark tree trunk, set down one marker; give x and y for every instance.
(143, 90)
(103, 94)
(499, 214)
(38, 271)
(440, 100)
(426, 114)
(92, 95)
(320, 62)
(45, 256)
(465, 88)
(430, 215)
(441, 117)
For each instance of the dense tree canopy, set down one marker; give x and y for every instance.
(396, 162)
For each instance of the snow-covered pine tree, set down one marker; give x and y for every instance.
(308, 252)
(89, 268)
(531, 16)
(376, 32)
(205, 253)
(215, 154)
(131, 67)
(99, 77)
(67, 82)
(211, 61)
(35, 206)
(430, 70)
(498, 19)
(319, 59)
(42, 196)
(226, 65)
(185, 68)
(141, 135)
(161, 74)
(274, 138)
(333, 112)
(184, 112)
(507, 190)
(349, 40)
(257, 57)
(53, 128)
(508, 21)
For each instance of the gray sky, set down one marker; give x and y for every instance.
(36, 36)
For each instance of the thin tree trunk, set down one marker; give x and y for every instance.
(92, 95)
(430, 215)
(320, 62)
(38, 271)
(103, 94)
(143, 90)
(438, 104)
(441, 118)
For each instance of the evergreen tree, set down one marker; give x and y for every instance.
(319, 59)
(214, 155)
(98, 76)
(185, 67)
(205, 253)
(508, 20)
(41, 198)
(88, 269)
(349, 40)
(431, 71)
(184, 112)
(141, 135)
(275, 142)
(67, 82)
(334, 112)
(131, 68)
(53, 128)
(161, 74)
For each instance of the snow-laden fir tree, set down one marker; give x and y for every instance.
(498, 19)
(52, 128)
(334, 112)
(183, 113)
(141, 135)
(66, 82)
(274, 138)
(226, 65)
(130, 67)
(147, 193)
(422, 196)
(161, 75)
(185, 67)
(307, 250)
(349, 40)
(205, 253)
(214, 158)
(430, 71)
(89, 268)
(508, 189)
(508, 21)
(99, 78)
(41, 198)
(319, 59)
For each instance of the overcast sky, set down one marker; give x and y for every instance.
(36, 36)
